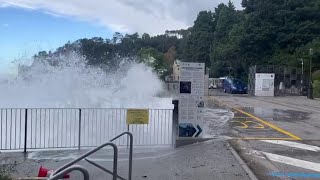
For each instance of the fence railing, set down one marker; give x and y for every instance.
(43, 128)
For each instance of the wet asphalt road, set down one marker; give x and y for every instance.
(278, 137)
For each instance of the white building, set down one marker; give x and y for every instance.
(176, 70)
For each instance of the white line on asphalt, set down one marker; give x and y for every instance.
(256, 154)
(293, 162)
(294, 144)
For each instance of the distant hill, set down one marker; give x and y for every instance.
(264, 32)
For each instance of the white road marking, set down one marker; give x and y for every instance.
(293, 162)
(256, 154)
(294, 145)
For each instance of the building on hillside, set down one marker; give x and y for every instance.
(178, 33)
(172, 81)
(179, 36)
(176, 70)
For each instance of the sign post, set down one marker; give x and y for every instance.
(191, 99)
(136, 116)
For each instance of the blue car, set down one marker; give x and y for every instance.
(234, 86)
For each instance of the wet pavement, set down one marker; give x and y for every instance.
(278, 137)
(207, 160)
(202, 161)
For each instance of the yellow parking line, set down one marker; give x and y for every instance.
(263, 121)
(270, 125)
(265, 138)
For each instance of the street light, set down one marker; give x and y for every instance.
(301, 60)
(310, 92)
(301, 75)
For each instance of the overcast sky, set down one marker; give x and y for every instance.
(30, 26)
(151, 16)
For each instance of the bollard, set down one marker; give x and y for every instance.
(175, 121)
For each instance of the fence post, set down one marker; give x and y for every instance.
(175, 121)
(79, 140)
(128, 129)
(25, 130)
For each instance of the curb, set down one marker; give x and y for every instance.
(242, 163)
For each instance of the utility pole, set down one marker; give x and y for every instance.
(302, 75)
(310, 92)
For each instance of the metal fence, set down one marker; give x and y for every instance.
(40, 128)
(292, 78)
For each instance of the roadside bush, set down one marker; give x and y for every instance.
(316, 88)
(4, 177)
(316, 75)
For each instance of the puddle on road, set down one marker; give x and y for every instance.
(278, 114)
(216, 123)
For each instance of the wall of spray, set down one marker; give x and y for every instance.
(72, 83)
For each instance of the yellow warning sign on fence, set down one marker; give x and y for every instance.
(137, 116)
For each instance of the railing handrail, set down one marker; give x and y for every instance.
(115, 159)
(70, 169)
(102, 168)
(64, 169)
(130, 156)
(130, 150)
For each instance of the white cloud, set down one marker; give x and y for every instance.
(5, 25)
(151, 16)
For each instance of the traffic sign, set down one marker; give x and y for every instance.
(189, 130)
(137, 116)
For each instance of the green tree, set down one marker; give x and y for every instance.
(225, 55)
(198, 44)
(275, 32)
(156, 60)
(303, 52)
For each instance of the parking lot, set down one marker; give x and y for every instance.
(278, 137)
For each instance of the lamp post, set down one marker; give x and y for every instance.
(310, 92)
(301, 75)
